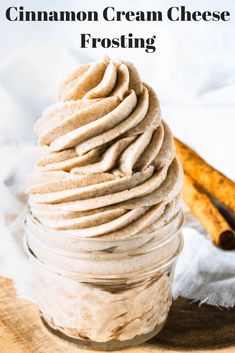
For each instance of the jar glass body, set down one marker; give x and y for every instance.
(103, 294)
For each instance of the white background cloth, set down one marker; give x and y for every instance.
(193, 72)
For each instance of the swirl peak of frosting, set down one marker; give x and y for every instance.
(109, 167)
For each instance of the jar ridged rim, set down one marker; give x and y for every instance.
(145, 271)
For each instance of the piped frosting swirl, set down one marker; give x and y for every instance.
(109, 167)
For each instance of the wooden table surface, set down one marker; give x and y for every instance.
(189, 328)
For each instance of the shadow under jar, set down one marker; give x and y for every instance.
(103, 294)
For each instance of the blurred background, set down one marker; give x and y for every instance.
(192, 70)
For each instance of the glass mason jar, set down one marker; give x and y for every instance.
(103, 294)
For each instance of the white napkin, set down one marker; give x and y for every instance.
(203, 272)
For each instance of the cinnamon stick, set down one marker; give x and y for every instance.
(220, 186)
(207, 213)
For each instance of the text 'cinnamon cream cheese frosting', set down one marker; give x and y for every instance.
(109, 168)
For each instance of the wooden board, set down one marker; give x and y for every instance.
(189, 328)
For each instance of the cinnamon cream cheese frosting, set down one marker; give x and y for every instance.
(108, 167)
